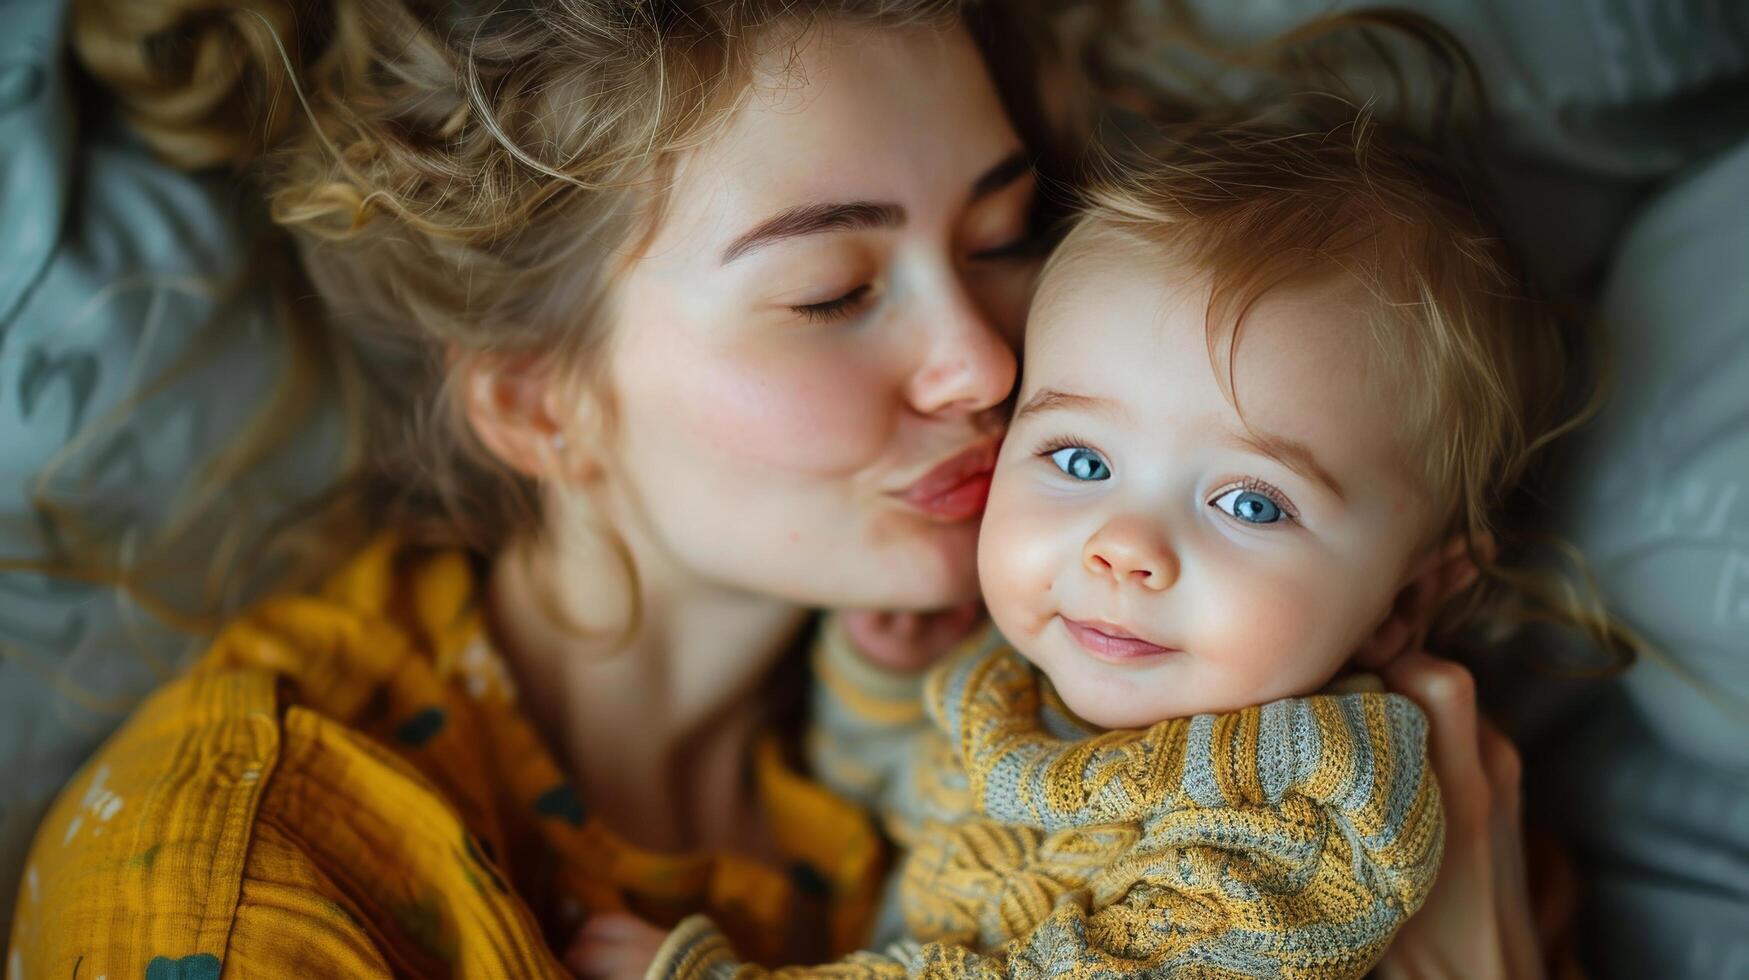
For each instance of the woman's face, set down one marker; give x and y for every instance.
(809, 359)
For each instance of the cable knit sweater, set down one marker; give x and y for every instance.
(1290, 839)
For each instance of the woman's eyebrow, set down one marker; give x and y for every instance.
(809, 219)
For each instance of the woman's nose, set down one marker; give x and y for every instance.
(967, 365)
(1131, 550)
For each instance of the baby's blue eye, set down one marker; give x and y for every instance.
(1251, 507)
(1081, 463)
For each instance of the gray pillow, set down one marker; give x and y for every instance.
(112, 268)
(1657, 494)
(1594, 100)
(1652, 785)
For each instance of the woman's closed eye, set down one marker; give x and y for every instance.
(1024, 248)
(1255, 504)
(839, 308)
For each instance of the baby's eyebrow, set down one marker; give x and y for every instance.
(1050, 399)
(1291, 453)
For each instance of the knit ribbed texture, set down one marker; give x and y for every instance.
(1290, 839)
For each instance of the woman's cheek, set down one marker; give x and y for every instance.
(822, 414)
(1004, 295)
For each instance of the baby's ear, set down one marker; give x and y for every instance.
(1443, 573)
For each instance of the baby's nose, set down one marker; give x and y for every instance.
(1132, 550)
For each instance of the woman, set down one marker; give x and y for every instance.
(667, 323)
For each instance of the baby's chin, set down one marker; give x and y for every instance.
(1140, 700)
(1101, 695)
(1111, 716)
(1111, 706)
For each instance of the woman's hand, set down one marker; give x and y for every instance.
(909, 641)
(1477, 922)
(613, 946)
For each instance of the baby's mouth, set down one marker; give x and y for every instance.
(1113, 643)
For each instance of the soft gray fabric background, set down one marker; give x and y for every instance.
(1617, 114)
(110, 266)
(1652, 784)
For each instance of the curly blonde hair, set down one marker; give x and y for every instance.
(458, 180)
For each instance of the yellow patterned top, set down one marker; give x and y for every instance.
(344, 786)
(1290, 839)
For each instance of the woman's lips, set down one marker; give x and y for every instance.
(1112, 644)
(956, 489)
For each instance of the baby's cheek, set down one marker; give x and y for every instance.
(1278, 636)
(1016, 564)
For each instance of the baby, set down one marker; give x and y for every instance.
(1276, 384)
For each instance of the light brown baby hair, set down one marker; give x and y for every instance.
(1489, 376)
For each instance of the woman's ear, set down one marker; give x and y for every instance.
(516, 408)
(1443, 573)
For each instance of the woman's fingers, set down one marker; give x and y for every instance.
(908, 641)
(1446, 692)
(610, 926)
(1502, 766)
(1477, 922)
(1503, 769)
(613, 945)
(943, 630)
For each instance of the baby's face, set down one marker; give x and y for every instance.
(1158, 557)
